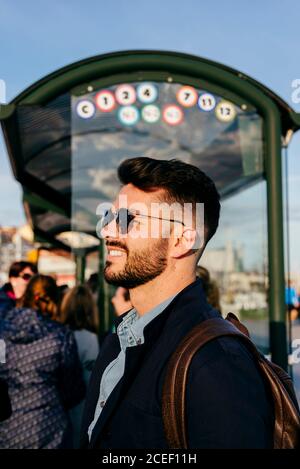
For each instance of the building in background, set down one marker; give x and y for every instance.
(17, 243)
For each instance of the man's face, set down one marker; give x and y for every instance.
(19, 283)
(134, 258)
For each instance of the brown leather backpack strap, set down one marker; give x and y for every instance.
(174, 389)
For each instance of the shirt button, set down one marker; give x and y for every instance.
(139, 341)
(102, 404)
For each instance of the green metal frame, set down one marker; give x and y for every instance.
(167, 66)
(80, 260)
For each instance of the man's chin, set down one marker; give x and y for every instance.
(111, 275)
(115, 277)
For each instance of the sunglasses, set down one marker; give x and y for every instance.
(123, 217)
(26, 277)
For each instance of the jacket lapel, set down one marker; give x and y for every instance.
(108, 353)
(133, 360)
(188, 309)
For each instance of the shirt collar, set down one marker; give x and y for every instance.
(131, 330)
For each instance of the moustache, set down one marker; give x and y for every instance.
(116, 244)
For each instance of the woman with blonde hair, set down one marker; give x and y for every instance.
(210, 288)
(42, 370)
(79, 312)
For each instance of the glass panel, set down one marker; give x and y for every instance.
(172, 120)
(45, 141)
(237, 260)
(160, 120)
(291, 179)
(51, 222)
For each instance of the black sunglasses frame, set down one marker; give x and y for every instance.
(123, 217)
(26, 277)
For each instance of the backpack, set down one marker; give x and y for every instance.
(286, 410)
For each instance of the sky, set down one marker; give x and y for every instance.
(259, 38)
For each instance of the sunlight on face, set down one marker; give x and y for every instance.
(135, 258)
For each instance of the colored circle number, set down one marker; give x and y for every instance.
(105, 101)
(147, 93)
(125, 95)
(128, 115)
(151, 113)
(85, 109)
(206, 102)
(172, 114)
(187, 96)
(225, 111)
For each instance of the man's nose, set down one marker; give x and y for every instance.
(110, 230)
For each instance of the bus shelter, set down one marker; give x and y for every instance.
(67, 134)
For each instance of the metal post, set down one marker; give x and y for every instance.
(80, 266)
(278, 330)
(101, 293)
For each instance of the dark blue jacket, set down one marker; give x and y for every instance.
(6, 303)
(44, 378)
(227, 403)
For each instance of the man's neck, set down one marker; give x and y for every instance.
(147, 296)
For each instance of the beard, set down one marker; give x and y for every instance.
(140, 267)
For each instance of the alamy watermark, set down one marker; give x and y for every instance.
(295, 355)
(159, 220)
(295, 96)
(2, 92)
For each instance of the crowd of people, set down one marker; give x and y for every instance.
(60, 392)
(52, 342)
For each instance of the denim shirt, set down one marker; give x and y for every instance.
(130, 333)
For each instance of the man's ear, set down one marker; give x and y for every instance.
(184, 243)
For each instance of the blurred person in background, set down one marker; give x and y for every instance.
(19, 274)
(121, 301)
(210, 288)
(291, 300)
(42, 370)
(93, 284)
(79, 312)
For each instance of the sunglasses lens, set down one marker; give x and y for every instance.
(107, 218)
(26, 277)
(124, 218)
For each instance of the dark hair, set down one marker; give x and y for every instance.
(183, 183)
(126, 294)
(93, 282)
(17, 267)
(41, 294)
(79, 310)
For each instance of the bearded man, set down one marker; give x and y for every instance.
(155, 256)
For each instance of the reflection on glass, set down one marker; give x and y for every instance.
(170, 121)
(76, 240)
(237, 259)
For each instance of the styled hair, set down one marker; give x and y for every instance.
(41, 294)
(79, 310)
(17, 267)
(182, 182)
